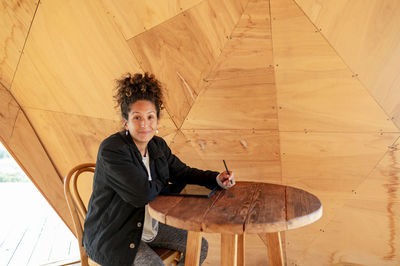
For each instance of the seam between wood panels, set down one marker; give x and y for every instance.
(276, 89)
(181, 11)
(25, 41)
(350, 198)
(375, 166)
(389, 117)
(205, 80)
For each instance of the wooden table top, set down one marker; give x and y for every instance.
(248, 207)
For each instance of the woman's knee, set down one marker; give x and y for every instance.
(147, 256)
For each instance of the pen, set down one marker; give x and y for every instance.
(226, 167)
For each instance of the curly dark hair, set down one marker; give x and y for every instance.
(131, 88)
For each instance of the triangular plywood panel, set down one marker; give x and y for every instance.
(72, 56)
(331, 166)
(248, 53)
(16, 18)
(23, 143)
(365, 231)
(316, 90)
(71, 139)
(137, 16)
(242, 79)
(190, 43)
(366, 35)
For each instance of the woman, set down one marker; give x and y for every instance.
(133, 167)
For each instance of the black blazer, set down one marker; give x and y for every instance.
(121, 188)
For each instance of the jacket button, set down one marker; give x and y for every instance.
(132, 245)
(139, 224)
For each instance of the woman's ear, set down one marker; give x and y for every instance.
(125, 124)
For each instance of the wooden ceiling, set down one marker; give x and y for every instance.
(298, 92)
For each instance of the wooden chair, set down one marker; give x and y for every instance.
(77, 189)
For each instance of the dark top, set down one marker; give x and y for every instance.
(121, 188)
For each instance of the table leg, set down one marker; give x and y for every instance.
(274, 246)
(228, 250)
(240, 250)
(193, 248)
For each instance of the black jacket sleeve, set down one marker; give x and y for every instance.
(181, 173)
(128, 177)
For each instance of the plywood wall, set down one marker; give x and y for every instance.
(16, 18)
(296, 92)
(365, 35)
(333, 134)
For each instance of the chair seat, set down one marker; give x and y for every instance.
(168, 256)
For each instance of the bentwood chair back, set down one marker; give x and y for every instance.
(77, 189)
(78, 186)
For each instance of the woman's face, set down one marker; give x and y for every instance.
(142, 122)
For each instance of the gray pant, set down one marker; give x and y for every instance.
(167, 237)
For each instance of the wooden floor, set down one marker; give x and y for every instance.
(31, 233)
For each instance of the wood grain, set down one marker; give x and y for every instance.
(235, 144)
(268, 210)
(183, 149)
(316, 89)
(241, 248)
(274, 247)
(302, 208)
(189, 43)
(246, 207)
(73, 55)
(71, 139)
(369, 45)
(15, 19)
(137, 16)
(330, 164)
(9, 109)
(241, 78)
(159, 207)
(183, 216)
(216, 29)
(229, 213)
(373, 210)
(257, 171)
(229, 245)
(193, 248)
(245, 107)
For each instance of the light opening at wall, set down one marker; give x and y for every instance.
(31, 233)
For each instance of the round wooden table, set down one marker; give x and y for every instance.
(248, 207)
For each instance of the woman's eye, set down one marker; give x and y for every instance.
(136, 118)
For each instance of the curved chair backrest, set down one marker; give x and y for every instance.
(77, 189)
